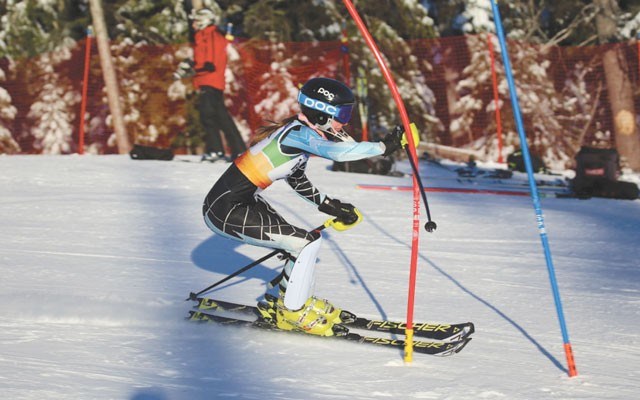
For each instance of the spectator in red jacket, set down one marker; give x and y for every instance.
(210, 62)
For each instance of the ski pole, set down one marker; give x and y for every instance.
(193, 296)
(430, 226)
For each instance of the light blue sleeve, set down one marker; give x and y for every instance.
(307, 140)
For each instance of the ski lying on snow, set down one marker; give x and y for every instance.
(507, 191)
(431, 348)
(405, 188)
(429, 330)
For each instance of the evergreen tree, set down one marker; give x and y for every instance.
(51, 115)
(31, 28)
(395, 25)
(7, 115)
(149, 21)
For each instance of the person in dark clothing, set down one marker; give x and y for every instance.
(210, 62)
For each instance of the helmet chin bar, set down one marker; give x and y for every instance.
(338, 136)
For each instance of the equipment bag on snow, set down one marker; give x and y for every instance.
(140, 152)
(596, 174)
(597, 163)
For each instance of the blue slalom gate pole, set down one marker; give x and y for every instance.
(533, 187)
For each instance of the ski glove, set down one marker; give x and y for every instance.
(397, 139)
(209, 67)
(393, 140)
(344, 212)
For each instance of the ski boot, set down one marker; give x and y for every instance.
(320, 306)
(273, 311)
(331, 312)
(305, 320)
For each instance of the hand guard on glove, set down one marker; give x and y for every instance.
(397, 139)
(344, 212)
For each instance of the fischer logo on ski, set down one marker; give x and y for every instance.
(425, 327)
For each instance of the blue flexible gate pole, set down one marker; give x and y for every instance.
(534, 190)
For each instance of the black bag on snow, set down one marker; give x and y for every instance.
(597, 163)
(596, 175)
(140, 152)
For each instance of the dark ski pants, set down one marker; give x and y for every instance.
(215, 118)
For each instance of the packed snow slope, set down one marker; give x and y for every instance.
(98, 253)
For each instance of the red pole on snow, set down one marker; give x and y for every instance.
(85, 84)
(412, 152)
(496, 99)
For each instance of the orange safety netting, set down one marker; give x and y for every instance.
(264, 85)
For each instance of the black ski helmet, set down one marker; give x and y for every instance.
(323, 99)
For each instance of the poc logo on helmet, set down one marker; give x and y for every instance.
(327, 93)
(320, 106)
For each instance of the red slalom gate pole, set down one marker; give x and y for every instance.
(496, 99)
(85, 84)
(408, 354)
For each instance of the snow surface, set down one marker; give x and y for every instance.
(98, 253)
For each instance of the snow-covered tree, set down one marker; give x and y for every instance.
(540, 103)
(150, 21)
(478, 17)
(28, 29)
(276, 95)
(7, 114)
(578, 115)
(7, 110)
(394, 25)
(52, 114)
(552, 114)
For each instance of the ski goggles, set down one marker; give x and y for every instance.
(342, 112)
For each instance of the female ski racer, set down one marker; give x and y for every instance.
(234, 208)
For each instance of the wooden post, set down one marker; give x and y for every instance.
(619, 86)
(109, 76)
